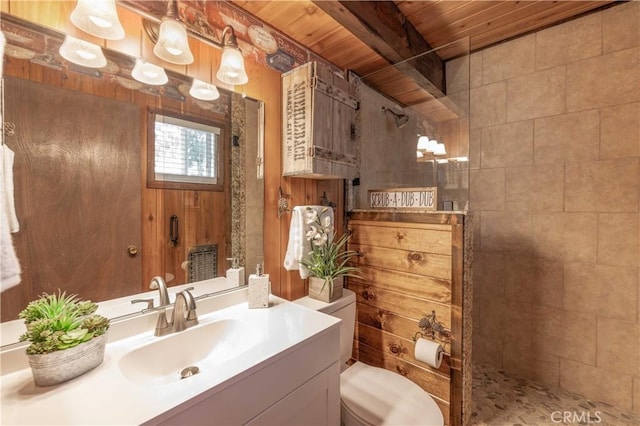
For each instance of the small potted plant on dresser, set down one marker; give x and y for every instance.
(67, 337)
(327, 261)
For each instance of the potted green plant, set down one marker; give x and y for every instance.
(328, 260)
(67, 337)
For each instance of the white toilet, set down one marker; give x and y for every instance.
(371, 395)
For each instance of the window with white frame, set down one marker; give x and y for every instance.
(186, 154)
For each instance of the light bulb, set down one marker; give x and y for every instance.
(98, 18)
(232, 67)
(148, 73)
(203, 90)
(173, 45)
(82, 53)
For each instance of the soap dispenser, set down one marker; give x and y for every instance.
(259, 289)
(235, 274)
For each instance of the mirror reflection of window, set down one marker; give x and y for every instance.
(187, 153)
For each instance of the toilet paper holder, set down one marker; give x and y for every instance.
(432, 328)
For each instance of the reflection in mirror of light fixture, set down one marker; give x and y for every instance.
(82, 53)
(440, 150)
(203, 90)
(423, 143)
(231, 69)
(148, 73)
(172, 45)
(98, 18)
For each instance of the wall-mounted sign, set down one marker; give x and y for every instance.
(404, 198)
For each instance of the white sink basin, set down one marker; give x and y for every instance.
(202, 346)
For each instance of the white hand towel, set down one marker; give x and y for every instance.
(298, 247)
(7, 181)
(9, 266)
(10, 270)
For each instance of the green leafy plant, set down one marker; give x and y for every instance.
(328, 258)
(59, 321)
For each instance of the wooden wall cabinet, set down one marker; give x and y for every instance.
(413, 264)
(319, 123)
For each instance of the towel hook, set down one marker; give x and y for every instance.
(325, 201)
(283, 202)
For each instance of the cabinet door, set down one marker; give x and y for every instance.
(313, 403)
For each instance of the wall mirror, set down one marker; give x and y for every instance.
(89, 223)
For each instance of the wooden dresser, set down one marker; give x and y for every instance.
(413, 264)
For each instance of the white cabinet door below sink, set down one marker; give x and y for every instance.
(311, 404)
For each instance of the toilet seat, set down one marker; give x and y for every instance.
(375, 396)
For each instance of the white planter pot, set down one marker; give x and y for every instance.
(60, 366)
(328, 292)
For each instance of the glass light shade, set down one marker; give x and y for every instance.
(173, 45)
(82, 53)
(423, 143)
(232, 67)
(419, 154)
(98, 18)
(440, 150)
(432, 145)
(203, 91)
(148, 73)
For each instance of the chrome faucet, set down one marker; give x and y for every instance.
(184, 315)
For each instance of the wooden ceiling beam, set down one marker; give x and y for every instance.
(383, 27)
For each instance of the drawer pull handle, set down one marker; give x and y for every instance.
(394, 348)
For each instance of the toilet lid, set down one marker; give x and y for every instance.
(382, 397)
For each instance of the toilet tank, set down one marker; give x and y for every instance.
(343, 308)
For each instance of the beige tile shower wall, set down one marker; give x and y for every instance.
(555, 179)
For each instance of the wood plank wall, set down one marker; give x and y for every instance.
(264, 84)
(411, 265)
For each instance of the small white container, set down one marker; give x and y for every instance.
(259, 289)
(235, 274)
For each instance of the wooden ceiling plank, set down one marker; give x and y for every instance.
(427, 23)
(529, 23)
(509, 22)
(382, 26)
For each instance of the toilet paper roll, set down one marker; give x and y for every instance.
(429, 352)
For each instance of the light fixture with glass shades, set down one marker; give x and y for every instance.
(203, 90)
(172, 45)
(149, 73)
(82, 53)
(427, 146)
(98, 18)
(231, 69)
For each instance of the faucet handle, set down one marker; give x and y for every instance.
(149, 302)
(192, 315)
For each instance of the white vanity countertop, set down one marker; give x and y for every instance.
(105, 396)
(10, 331)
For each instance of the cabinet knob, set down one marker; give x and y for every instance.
(394, 348)
(132, 250)
(400, 236)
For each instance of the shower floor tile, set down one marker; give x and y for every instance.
(501, 398)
